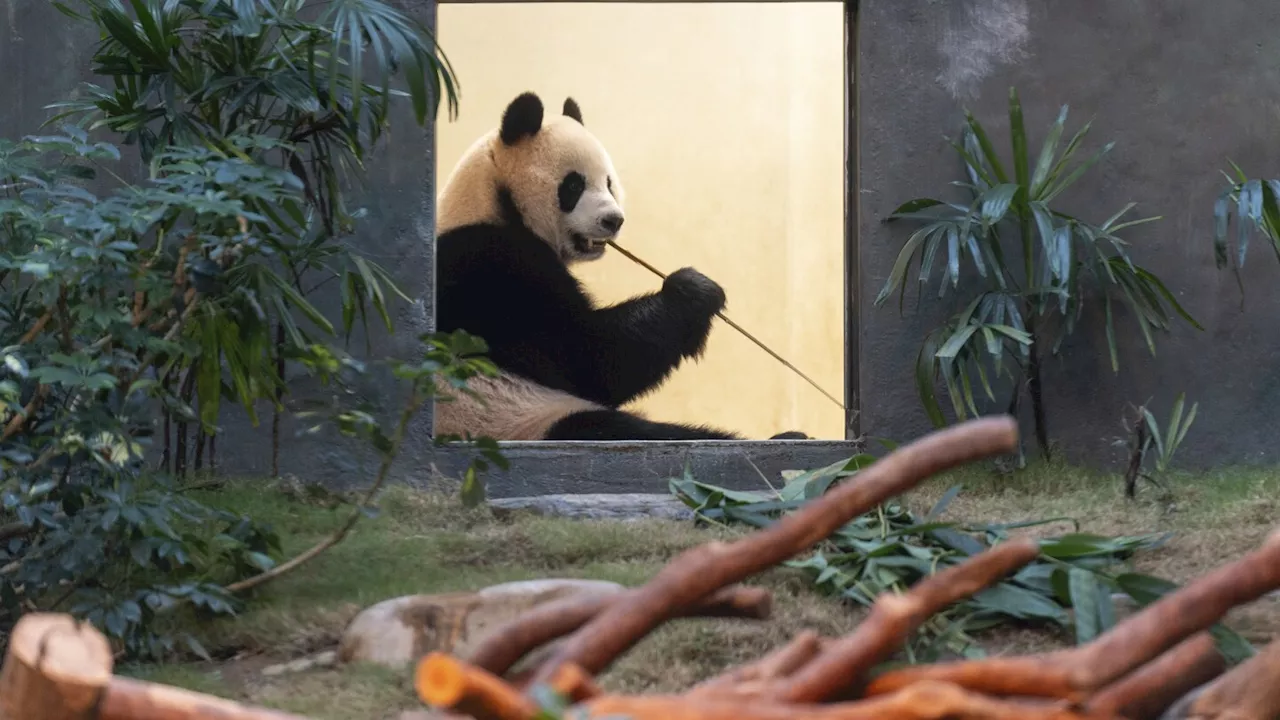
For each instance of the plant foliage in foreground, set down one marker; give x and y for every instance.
(296, 75)
(1033, 299)
(186, 291)
(890, 549)
(97, 310)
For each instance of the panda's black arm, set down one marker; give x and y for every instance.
(638, 343)
(511, 290)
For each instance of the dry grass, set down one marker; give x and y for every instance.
(427, 543)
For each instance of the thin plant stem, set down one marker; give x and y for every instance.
(735, 326)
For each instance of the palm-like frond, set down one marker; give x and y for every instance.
(1058, 253)
(1257, 208)
(194, 72)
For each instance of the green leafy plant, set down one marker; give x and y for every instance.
(1031, 300)
(1257, 207)
(890, 549)
(185, 291)
(197, 74)
(1146, 434)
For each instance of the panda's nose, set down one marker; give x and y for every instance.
(612, 222)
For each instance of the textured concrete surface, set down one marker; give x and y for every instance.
(1181, 86)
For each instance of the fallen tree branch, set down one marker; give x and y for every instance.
(924, 701)
(696, 573)
(1076, 673)
(894, 617)
(574, 684)
(411, 407)
(54, 668)
(60, 669)
(779, 663)
(1149, 690)
(448, 683)
(1249, 691)
(128, 699)
(506, 645)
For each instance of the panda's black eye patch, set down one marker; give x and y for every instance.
(570, 191)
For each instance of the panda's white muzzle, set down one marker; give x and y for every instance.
(595, 221)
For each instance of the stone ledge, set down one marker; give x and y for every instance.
(599, 506)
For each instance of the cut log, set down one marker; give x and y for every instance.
(55, 669)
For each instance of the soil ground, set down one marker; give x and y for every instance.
(424, 542)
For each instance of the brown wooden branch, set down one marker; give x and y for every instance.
(499, 652)
(1076, 673)
(894, 617)
(924, 701)
(1249, 691)
(447, 683)
(696, 573)
(406, 414)
(572, 682)
(750, 678)
(18, 421)
(64, 311)
(128, 699)
(59, 669)
(1148, 691)
(55, 669)
(38, 328)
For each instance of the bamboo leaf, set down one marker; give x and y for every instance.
(1018, 135)
(924, 375)
(1044, 163)
(996, 202)
(1075, 174)
(1111, 336)
(957, 340)
(988, 150)
(912, 207)
(897, 275)
(1085, 599)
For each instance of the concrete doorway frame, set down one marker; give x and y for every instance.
(543, 467)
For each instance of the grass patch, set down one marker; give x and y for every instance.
(424, 543)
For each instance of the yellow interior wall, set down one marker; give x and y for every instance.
(725, 123)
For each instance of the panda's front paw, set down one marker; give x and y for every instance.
(692, 288)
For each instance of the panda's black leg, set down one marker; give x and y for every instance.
(791, 435)
(621, 425)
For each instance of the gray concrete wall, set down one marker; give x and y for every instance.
(1181, 86)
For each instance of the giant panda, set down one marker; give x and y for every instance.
(527, 200)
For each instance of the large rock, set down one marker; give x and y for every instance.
(399, 631)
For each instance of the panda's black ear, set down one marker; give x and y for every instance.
(522, 118)
(572, 110)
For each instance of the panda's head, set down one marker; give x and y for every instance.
(551, 174)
